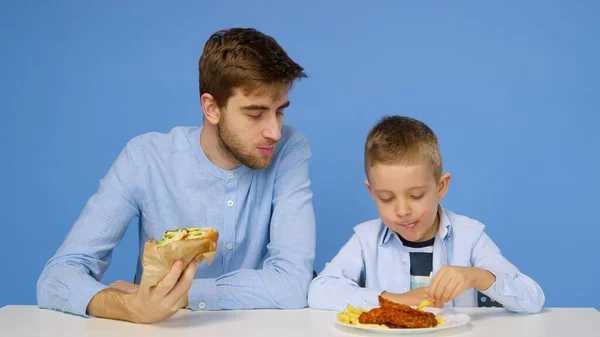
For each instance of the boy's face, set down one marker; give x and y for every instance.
(407, 198)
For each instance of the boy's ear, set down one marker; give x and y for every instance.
(368, 185)
(210, 109)
(443, 186)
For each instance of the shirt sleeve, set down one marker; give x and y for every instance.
(71, 277)
(283, 279)
(339, 282)
(514, 290)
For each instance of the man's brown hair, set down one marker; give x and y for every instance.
(400, 139)
(243, 58)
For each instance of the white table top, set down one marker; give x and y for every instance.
(17, 321)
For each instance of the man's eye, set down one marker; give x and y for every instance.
(255, 116)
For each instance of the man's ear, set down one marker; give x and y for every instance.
(443, 186)
(210, 109)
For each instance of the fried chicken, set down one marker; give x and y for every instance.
(395, 315)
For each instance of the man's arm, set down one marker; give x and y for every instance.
(149, 303)
(71, 278)
(283, 280)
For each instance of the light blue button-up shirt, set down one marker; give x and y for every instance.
(374, 260)
(265, 220)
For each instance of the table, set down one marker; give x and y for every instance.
(18, 321)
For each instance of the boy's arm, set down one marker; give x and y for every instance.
(338, 284)
(513, 289)
(287, 270)
(71, 278)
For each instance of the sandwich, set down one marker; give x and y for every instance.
(186, 244)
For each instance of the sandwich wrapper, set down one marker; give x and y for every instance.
(157, 261)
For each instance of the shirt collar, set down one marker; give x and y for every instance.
(212, 168)
(443, 232)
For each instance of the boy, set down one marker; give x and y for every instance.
(417, 250)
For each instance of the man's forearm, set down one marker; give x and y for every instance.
(250, 289)
(112, 304)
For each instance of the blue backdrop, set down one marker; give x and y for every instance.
(511, 88)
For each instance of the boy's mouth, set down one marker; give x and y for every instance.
(410, 224)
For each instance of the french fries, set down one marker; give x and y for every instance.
(350, 316)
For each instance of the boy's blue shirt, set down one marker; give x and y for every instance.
(374, 260)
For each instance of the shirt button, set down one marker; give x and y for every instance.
(230, 203)
(229, 246)
(201, 305)
(230, 176)
(404, 260)
(405, 289)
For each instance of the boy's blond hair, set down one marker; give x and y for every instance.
(400, 139)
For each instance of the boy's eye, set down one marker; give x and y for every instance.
(385, 200)
(417, 197)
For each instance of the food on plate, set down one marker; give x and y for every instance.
(389, 315)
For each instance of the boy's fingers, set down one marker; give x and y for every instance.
(447, 294)
(435, 283)
(456, 292)
(441, 287)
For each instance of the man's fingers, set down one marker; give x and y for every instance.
(170, 280)
(182, 301)
(184, 283)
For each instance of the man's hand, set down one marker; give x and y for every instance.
(412, 298)
(124, 287)
(152, 304)
(451, 281)
(146, 304)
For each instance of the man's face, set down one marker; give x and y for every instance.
(250, 125)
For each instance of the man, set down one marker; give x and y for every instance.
(243, 172)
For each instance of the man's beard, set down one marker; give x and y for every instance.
(231, 146)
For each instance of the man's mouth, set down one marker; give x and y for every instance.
(266, 150)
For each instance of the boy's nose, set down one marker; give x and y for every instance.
(402, 209)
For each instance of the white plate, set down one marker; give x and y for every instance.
(451, 318)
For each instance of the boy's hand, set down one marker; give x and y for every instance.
(451, 281)
(413, 297)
